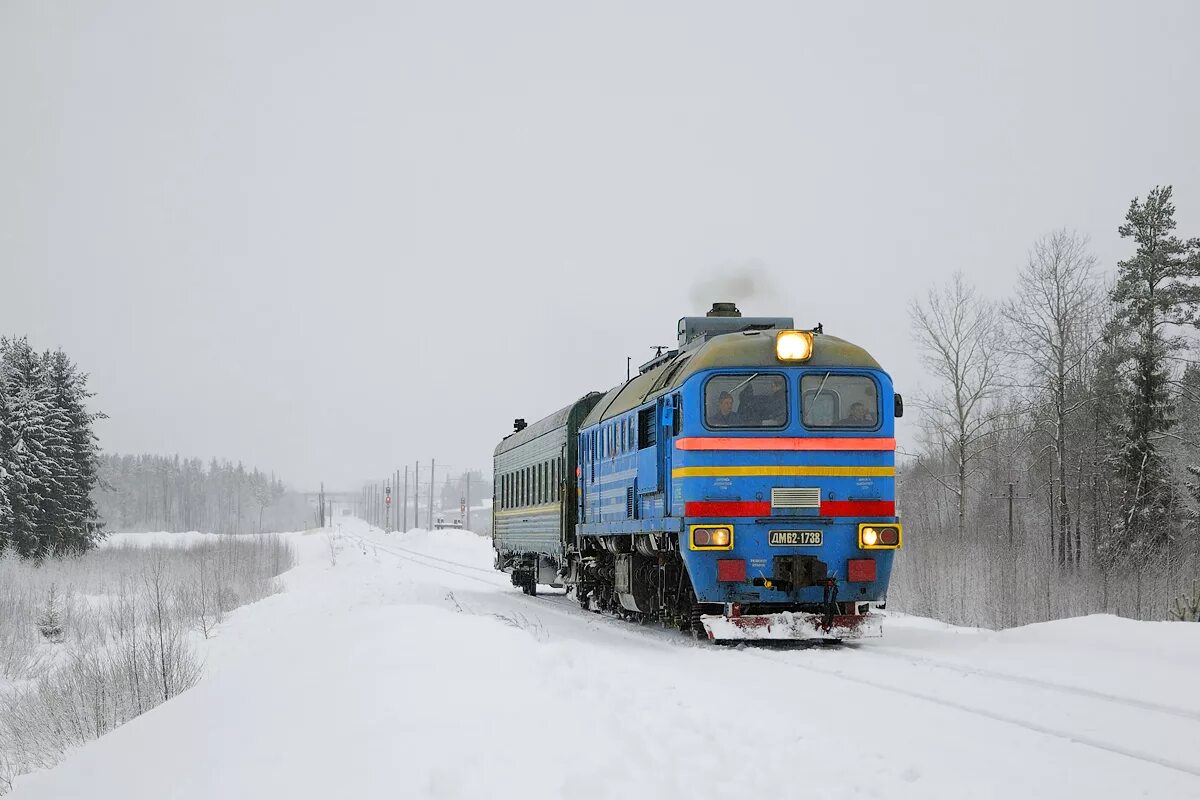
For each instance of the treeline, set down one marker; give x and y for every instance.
(48, 453)
(1058, 473)
(164, 493)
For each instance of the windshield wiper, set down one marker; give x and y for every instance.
(822, 386)
(743, 383)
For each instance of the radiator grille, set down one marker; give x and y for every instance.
(795, 497)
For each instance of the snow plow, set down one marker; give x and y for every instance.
(791, 626)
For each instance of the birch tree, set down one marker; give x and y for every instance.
(958, 333)
(1051, 315)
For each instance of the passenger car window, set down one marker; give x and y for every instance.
(830, 400)
(750, 400)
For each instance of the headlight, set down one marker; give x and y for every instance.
(879, 537)
(712, 537)
(793, 345)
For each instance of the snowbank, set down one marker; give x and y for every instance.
(410, 669)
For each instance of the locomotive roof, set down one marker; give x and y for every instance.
(746, 349)
(547, 424)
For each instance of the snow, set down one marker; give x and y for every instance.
(411, 669)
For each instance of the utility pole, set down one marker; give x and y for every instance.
(416, 495)
(405, 505)
(467, 510)
(432, 467)
(1010, 497)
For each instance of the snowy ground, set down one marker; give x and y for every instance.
(411, 669)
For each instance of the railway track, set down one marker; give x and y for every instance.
(561, 605)
(1145, 705)
(1056, 731)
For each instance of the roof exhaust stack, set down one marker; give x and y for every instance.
(724, 310)
(519, 425)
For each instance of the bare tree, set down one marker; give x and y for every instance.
(958, 335)
(1052, 314)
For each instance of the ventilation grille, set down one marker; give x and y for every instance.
(630, 506)
(796, 498)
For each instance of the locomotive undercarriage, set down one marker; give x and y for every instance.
(642, 577)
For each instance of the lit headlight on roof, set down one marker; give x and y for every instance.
(793, 345)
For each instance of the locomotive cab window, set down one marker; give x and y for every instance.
(830, 400)
(751, 400)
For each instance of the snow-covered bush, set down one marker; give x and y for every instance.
(49, 621)
(89, 642)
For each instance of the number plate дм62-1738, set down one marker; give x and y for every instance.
(794, 538)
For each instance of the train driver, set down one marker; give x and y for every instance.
(859, 416)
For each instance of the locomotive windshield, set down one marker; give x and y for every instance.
(746, 401)
(831, 400)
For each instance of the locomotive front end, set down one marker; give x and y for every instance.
(783, 473)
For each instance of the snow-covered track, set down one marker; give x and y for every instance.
(1145, 705)
(432, 562)
(1074, 736)
(860, 666)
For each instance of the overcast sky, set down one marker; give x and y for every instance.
(332, 238)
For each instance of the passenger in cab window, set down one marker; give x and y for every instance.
(724, 416)
(859, 416)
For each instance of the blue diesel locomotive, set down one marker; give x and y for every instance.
(741, 486)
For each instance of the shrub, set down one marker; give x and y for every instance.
(92, 641)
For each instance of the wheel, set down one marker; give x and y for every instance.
(691, 622)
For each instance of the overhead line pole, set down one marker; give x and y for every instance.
(1011, 496)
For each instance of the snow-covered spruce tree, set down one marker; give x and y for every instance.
(6, 512)
(47, 453)
(1187, 409)
(35, 438)
(79, 528)
(1108, 430)
(1154, 295)
(49, 621)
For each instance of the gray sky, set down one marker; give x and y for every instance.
(330, 239)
